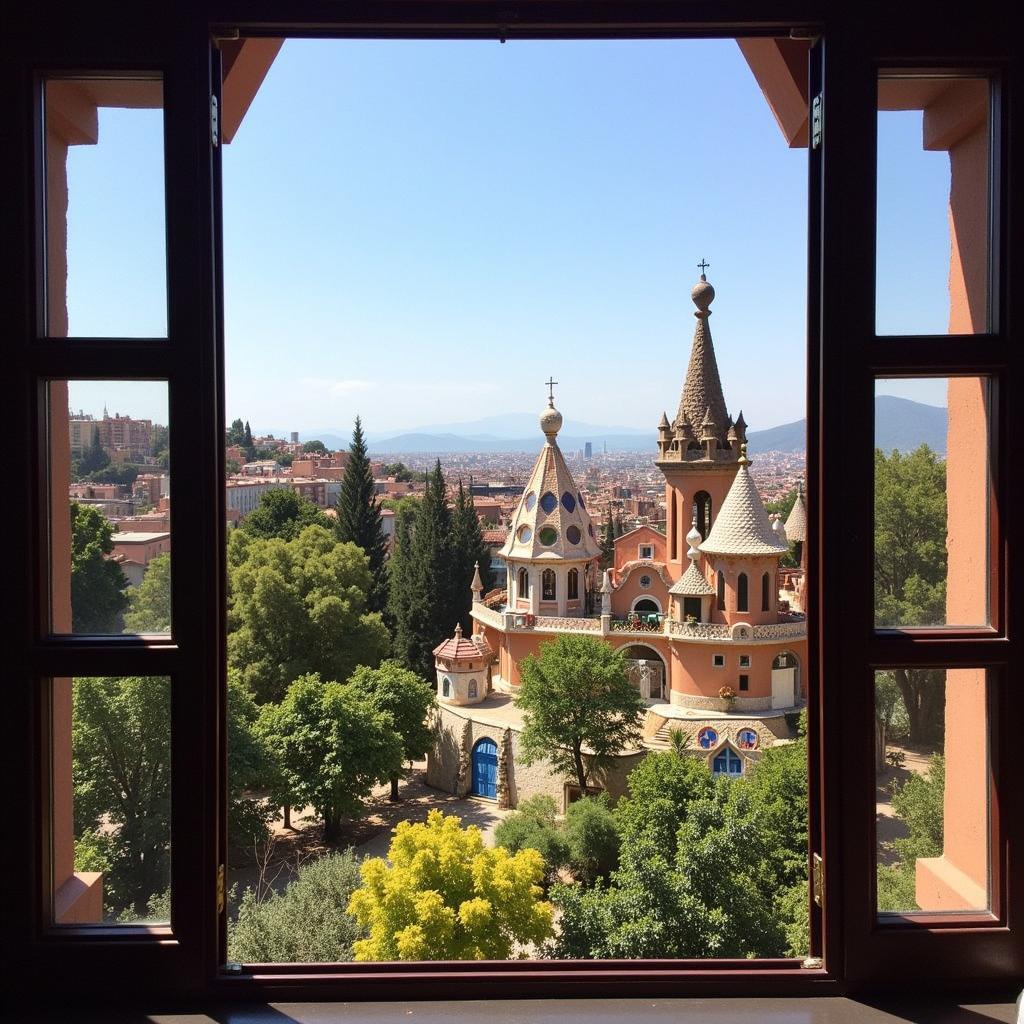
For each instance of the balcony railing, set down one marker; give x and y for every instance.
(707, 632)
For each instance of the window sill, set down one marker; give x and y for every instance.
(829, 1010)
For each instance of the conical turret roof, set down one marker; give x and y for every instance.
(796, 524)
(742, 526)
(692, 584)
(702, 400)
(551, 521)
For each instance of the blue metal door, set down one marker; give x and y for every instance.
(485, 769)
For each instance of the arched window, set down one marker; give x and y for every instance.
(727, 763)
(741, 593)
(446, 687)
(702, 513)
(766, 593)
(523, 588)
(574, 584)
(472, 688)
(721, 591)
(547, 585)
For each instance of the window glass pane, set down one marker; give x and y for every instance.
(932, 790)
(933, 204)
(105, 240)
(932, 494)
(110, 507)
(111, 784)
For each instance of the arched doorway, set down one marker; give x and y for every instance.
(785, 674)
(485, 769)
(647, 605)
(646, 670)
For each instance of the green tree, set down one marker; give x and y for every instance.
(250, 766)
(331, 746)
(247, 443)
(592, 835)
(315, 446)
(443, 895)
(910, 570)
(121, 750)
(235, 434)
(149, 604)
(94, 457)
(534, 825)
(296, 607)
(97, 583)
(307, 923)
(423, 601)
(470, 553)
(406, 700)
(660, 790)
(580, 710)
(359, 519)
(282, 513)
(124, 474)
(159, 439)
(919, 803)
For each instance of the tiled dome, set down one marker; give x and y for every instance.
(551, 521)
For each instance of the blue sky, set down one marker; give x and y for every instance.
(423, 232)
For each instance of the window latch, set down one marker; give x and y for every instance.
(818, 879)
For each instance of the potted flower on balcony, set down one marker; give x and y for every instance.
(691, 620)
(727, 695)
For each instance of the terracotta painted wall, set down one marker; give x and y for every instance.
(755, 568)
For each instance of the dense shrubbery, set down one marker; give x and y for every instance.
(443, 895)
(918, 803)
(308, 922)
(707, 868)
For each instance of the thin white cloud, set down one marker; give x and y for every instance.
(336, 388)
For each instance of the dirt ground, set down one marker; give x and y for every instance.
(276, 864)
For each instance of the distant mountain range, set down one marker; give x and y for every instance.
(900, 423)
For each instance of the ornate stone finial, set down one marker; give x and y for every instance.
(664, 424)
(743, 460)
(702, 294)
(458, 630)
(551, 418)
(477, 586)
(693, 538)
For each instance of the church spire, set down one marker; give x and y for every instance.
(702, 397)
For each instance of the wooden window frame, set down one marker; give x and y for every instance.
(844, 357)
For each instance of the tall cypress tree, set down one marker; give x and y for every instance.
(247, 442)
(359, 518)
(470, 551)
(424, 583)
(607, 541)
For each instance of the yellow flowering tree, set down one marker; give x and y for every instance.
(447, 896)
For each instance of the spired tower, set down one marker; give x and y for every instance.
(699, 451)
(551, 546)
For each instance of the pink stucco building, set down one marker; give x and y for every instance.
(712, 643)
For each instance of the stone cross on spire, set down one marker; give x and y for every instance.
(702, 266)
